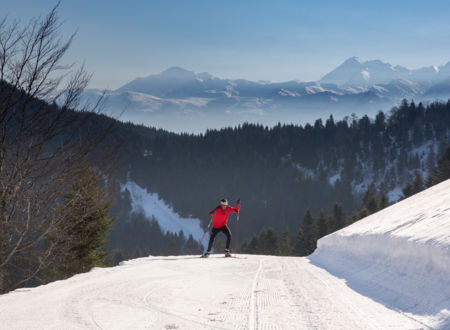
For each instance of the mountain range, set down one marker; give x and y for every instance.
(183, 101)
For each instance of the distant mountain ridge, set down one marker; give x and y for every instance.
(354, 72)
(184, 101)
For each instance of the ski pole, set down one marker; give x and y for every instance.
(207, 229)
(237, 231)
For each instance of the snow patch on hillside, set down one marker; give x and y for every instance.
(366, 75)
(285, 92)
(153, 207)
(395, 194)
(332, 179)
(309, 173)
(314, 89)
(399, 256)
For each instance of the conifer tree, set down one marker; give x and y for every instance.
(372, 204)
(355, 216)
(117, 256)
(418, 183)
(338, 218)
(307, 237)
(191, 246)
(384, 201)
(286, 248)
(138, 253)
(173, 248)
(408, 190)
(442, 172)
(364, 212)
(268, 242)
(81, 236)
(323, 227)
(251, 246)
(244, 247)
(414, 187)
(431, 160)
(300, 243)
(370, 201)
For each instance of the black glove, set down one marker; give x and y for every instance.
(239, 201)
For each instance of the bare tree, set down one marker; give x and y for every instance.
(42, 141)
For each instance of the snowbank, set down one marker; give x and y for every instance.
(153, 207)
(399, 256)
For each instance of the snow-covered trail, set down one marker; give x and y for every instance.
(250, 292)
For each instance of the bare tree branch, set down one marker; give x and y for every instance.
(43, 141)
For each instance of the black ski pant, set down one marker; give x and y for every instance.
(215, 231)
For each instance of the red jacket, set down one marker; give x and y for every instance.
(221, 216)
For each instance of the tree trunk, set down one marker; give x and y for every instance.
(2, 278)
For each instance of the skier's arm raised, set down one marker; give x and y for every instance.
(238, 206)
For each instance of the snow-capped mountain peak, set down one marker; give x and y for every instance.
(352, 61)
(354, 72)
(176, 72)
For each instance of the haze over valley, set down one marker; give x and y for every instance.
(180, 100)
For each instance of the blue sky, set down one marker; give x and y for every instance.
(258, 40)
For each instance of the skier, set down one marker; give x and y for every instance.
(220, 214)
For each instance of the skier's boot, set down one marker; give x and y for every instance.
(205, 255)
(227, 253)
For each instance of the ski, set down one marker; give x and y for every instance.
(235, 257)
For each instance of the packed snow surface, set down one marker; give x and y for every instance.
(192, 293)
(388, 271)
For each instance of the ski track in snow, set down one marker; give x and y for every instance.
(259, 292)
(253, 316)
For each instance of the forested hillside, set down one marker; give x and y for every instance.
(279, 172)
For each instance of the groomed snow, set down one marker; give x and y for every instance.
(259, 292)
(388, 271)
